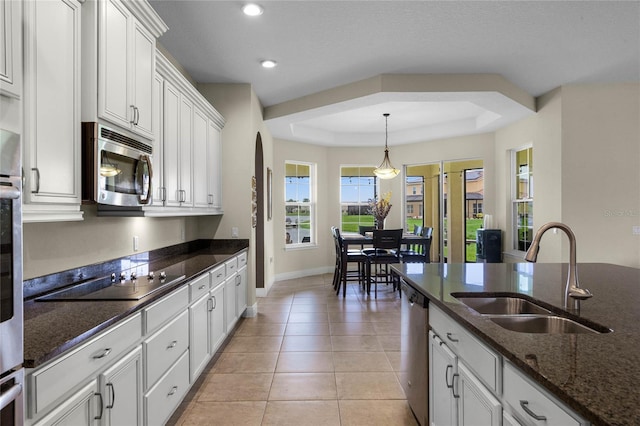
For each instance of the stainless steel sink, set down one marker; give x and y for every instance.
(550, 324)
(503, 305)
(525, 316)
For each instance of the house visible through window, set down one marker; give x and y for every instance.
(299, 189)
(358, 185)
(523, 198)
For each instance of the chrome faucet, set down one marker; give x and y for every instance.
(573, 289)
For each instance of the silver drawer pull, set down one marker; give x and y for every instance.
(446, 376)
(202, 287)
(173, 391)
(524, 404)
(113, 396)
(451, 338)
(173, 344)
(453, 382)
(101, 405)
(104, 353)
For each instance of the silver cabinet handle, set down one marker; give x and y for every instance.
(446, 376)
(210, 305)
(163, 193)
(102, 354)
(99, 416)
(173, 391)
(172, 344)
(453, 382)
(238, 280)
(37, 170)
(202, 287)
(133, 115)
(451, 338)
(524, 404)
(113, 396)
(215, 303)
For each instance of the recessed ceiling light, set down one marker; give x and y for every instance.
(252, 9)
(268, 63)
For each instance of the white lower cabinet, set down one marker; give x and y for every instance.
(531, 405)
(217, 325)
(121, 390)
(476, 404)
(139, 370)
(79, 409)
(469, 385)
(443, 365)
(457, 395)
(165, 396)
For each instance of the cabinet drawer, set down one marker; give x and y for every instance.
(198, 287)
(522, 395)
(486, 364)
(54, 380)
(231, 266)
(242, 259)
(218, 275)
(164, 348)
(165, 396)
(165, 309)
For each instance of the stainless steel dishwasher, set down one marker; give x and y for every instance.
(414, 361)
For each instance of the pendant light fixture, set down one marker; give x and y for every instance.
(386, 170)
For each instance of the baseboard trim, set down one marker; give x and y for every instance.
(303, 273)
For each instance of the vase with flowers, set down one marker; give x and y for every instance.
(380, 209)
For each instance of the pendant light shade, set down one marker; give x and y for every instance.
(386, 169)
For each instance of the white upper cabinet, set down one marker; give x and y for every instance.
(51, 157)
(191, 149)
(119, 48)
(11, 48)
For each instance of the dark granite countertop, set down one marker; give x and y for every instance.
(597, 375)
(53, 327)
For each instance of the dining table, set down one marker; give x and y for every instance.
(353, 239)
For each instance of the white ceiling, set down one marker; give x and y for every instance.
(319, 45)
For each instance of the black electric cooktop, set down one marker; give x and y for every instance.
(109, 288)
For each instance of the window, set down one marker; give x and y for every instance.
(358, 185)
(299, 189)
(522, 198)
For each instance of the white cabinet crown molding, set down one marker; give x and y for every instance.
(143, 11)
(168, 71)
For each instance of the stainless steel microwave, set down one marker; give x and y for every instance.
(116, 169)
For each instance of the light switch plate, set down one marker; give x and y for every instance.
(234, 232)
(135, 243)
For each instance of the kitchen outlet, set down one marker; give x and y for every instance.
(636, 230)
(234, 232)
(135, 243)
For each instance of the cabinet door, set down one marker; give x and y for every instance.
(214, 168)
(198, 336)
(52, 102)
(230, 301)
(200, 163)
(241, 291)
(80, 409)
(442, 371)
(11, 48)
(476, 405)
(217, 323)
(171, 145)
(121, 388)
(186, 146)
(113, 63)
(157, 158)
(142, 79)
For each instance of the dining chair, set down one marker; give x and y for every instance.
(418, 252)
(345, 257)
(386, 243)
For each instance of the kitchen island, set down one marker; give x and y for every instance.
(595, 374)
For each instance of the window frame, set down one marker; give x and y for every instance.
(527, 202)
(311, 205)
(376, 192)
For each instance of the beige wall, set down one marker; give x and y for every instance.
(601, 170)
(54, 247)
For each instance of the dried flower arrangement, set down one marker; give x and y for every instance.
(380, 208)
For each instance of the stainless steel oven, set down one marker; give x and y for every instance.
(116, 169)
(11, 303)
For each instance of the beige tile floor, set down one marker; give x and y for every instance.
(308, 358)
